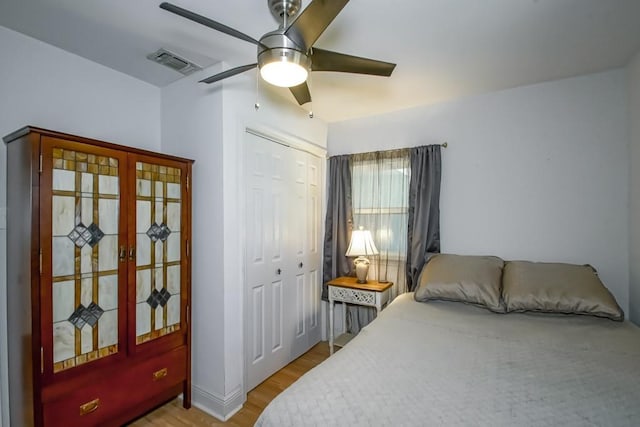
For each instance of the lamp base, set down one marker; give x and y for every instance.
(362, 268)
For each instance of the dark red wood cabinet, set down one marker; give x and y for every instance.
(98, 280)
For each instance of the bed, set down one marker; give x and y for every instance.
(447, 363)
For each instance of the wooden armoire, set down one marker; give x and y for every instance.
(98, 280)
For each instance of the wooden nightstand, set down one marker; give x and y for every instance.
(348, 290)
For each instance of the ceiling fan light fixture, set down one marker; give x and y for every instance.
(284, 67)
(284, 74)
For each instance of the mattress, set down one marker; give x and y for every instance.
(451, 364)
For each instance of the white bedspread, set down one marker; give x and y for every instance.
(450, 364)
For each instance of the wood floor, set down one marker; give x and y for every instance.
(172, 413)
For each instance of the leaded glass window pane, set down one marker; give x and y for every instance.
(158, 255)
(85, 211)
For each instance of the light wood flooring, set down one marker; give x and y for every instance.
(172, 413)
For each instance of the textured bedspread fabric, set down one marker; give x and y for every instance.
(450, 364)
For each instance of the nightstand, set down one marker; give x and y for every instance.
(348, 290)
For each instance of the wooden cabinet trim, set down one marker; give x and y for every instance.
(54, 134)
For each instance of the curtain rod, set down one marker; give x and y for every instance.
(443, 145)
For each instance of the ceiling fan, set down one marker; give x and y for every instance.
(286, 55)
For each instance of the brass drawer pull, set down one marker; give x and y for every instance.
(89, 407)
(158, 375)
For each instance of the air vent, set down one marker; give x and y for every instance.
(173, 61)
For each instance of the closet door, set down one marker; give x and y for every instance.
(268, 268)
(304, 295)
(157, 253)
(313, 256)
(282, 255)
(83, 236)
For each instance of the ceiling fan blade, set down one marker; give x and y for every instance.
(310, 24)
(301, 93)
(207, 22)
(325, 60)
(228, 73)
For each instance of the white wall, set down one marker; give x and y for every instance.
(47, 87)
(207, 123)
(192, 127)
(4, 385)
(633, 72)
(537, 172)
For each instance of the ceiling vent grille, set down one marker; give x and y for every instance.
(173, 61)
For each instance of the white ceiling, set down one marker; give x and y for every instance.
(444, 48)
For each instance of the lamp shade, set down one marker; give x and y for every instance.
(361, 244)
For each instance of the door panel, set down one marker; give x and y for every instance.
(257, 303)
(277, 325)
(276, 236)
(299, 305)
(314, 302)
(256, 240)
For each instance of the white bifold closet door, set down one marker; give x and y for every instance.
(282, 255)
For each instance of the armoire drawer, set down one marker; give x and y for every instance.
(97, 403)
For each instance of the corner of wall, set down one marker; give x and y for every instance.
(192, 126)
(221, 407)
(633, 76)
(4, 385)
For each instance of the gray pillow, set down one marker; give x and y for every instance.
(557, 288)
(469, 279)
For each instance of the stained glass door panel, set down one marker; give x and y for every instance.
(85, 209)
(158, 250)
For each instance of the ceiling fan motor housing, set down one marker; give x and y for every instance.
(276, 46)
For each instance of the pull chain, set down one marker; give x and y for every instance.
(310, 102)
(257, 104)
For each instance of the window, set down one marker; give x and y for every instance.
(380, 190)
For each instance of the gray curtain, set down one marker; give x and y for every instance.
(338, 222)
(423, 235)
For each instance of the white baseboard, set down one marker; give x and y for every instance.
(221, 407)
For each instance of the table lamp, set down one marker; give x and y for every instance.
(360, 246)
